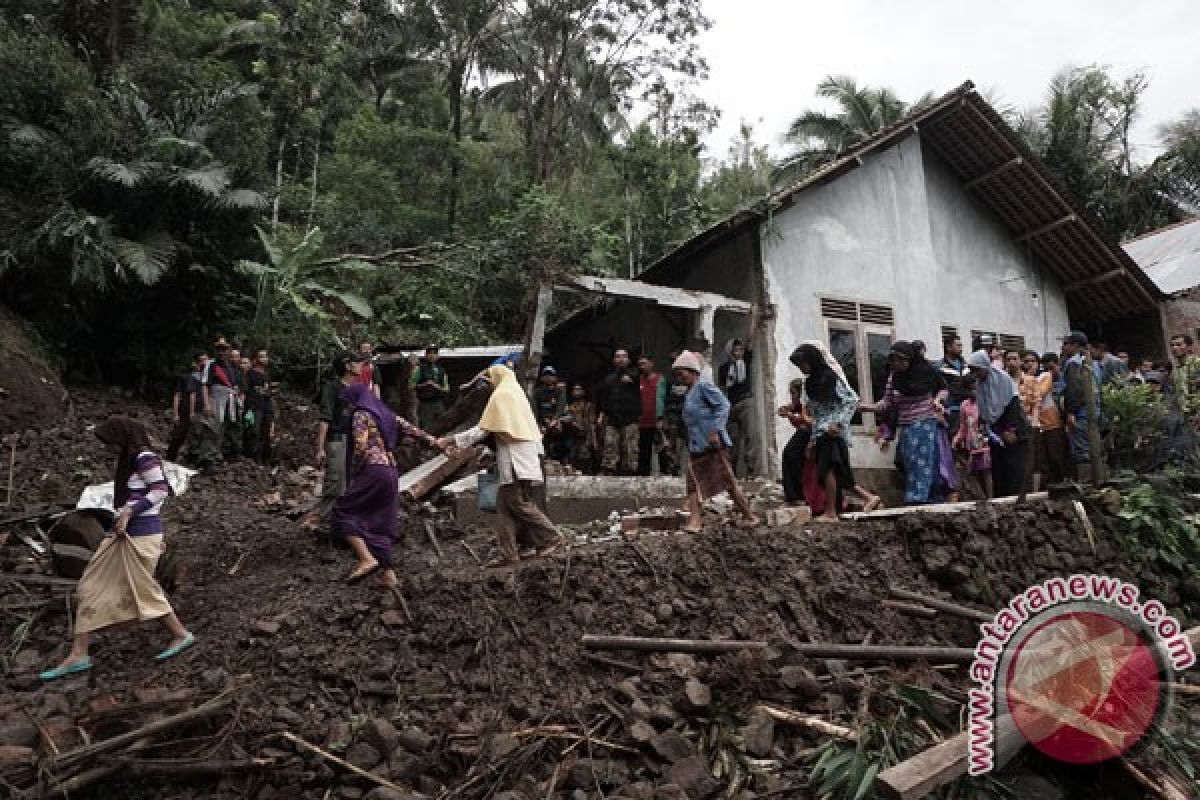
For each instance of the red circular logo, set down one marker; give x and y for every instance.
(1084, 686)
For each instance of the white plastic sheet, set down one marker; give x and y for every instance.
(100, 495)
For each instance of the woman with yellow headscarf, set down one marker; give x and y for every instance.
(509, 424)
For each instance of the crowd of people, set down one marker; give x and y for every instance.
(991, 423)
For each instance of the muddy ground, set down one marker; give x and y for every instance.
(476, 685)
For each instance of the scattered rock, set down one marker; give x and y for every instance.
(18, 731)
(672, 746)
(642, 731)
(15, 756)
(802, 681)
(267, 627)
(758, 734)
(363, 755)
(415, 740)
(587, 773)
(393, 619)
(693, 777)
(382, 735)
(698, 694)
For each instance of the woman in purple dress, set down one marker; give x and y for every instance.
(365, 514)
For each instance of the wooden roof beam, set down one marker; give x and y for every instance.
(653, 293)
(1075, 286)
(1048, 227)
(1007, 166)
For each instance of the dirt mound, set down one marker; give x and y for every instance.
(474, 683)
(31, 394)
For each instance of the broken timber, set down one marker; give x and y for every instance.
(873, 652)
(419, 482)
(596, 642)
(940, 764)
(944, 606)
(940, 508)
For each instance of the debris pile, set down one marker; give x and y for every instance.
(474, 683)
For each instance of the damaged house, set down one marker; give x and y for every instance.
(941, 224)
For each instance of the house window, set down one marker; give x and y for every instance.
(860, 336)
(949, 332)
(1009, 341)
(977, 335)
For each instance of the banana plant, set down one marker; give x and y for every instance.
(293, 278)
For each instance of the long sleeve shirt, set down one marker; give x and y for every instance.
(909, 409)
(705, 409)
(515, 460)
(838, 410)
(148, 488)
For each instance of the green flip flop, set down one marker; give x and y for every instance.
(82, 665)
(175, 650)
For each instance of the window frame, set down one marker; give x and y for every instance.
(861, 330)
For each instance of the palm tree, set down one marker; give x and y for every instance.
(862, 112)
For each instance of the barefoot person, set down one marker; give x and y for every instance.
(831, 404)
(365, 514)
(705, 413)
(512, 430)
(118, 584)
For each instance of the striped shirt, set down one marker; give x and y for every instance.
(148, 488)
(909, 409)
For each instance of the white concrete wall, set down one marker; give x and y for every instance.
(900, 231)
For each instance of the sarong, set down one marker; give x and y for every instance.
(919, 451)
(118, 584)
(367, 509)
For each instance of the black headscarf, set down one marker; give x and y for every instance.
(920, 378)
(132, 438)
(821, 382)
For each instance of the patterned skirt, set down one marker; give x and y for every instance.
(928, 462)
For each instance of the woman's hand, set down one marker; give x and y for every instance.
(121, 523)
(834, 429)
(714, 438)
(1009, 437)
(446, 445)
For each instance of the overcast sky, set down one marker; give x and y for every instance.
(767, 56)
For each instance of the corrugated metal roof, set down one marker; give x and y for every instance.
(1171, 256)
(1102, 280)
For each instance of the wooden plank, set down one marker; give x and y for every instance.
(1047, 228)
(939, 508)
(940, 764)
(1007, 166)
(435, 472)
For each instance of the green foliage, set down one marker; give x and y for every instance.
(911, 715)
(1157, 528)
(1137, 413)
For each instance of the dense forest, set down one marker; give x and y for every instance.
(299, 173)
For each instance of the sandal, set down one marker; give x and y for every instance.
(80, 665)
(176, 649)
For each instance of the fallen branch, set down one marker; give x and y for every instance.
(403, 604)
(362, 773)
(911, 609)
(437, 547)
(463, 542)
(560, 732)
(1167, 789)
(941, 605)
(817, 724)
(612, 662)
(209, 709)
(598, 642)
(190, 769)
(873, 652)
(37, 580)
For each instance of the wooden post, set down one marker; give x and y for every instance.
(536, 342)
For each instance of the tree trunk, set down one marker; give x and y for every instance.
(457, 77)
(278, 180)
(312, 197)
